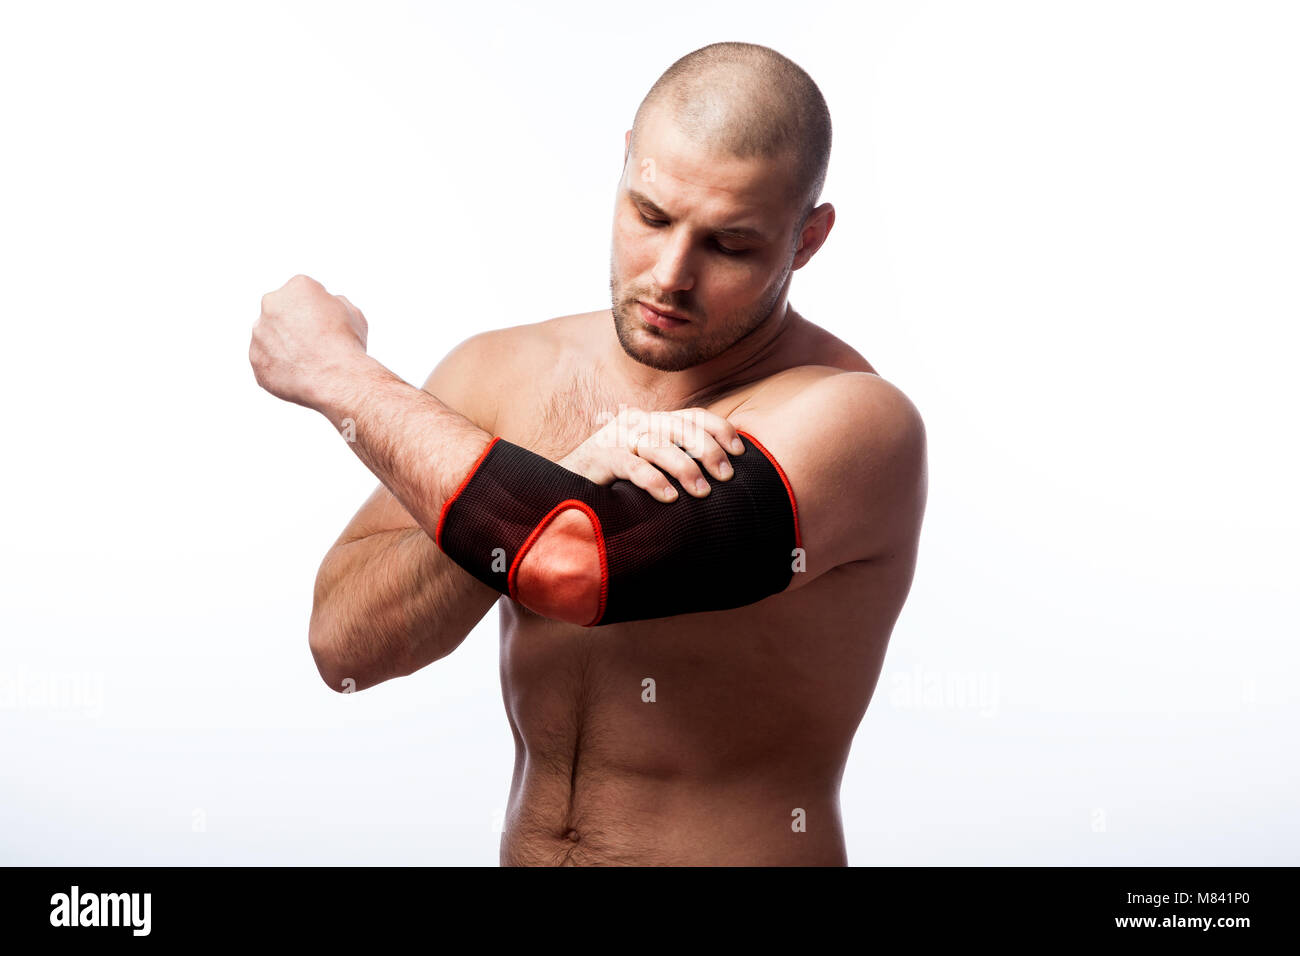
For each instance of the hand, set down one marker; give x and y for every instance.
(635, 441)
(303, 337)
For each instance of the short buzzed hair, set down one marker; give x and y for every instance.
(748, 100)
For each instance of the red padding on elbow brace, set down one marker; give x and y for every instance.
(548, 599)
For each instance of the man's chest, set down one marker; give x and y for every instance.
(558, 412)
(561, 408)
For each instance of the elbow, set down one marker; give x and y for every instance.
(324, 653)
(340, 667)
(562, 594)
(563, 575)
(321, 631)
(330, 644)
(562, 580)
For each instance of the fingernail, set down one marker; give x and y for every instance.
(670, 494)
(724, 470)
(701, 486)
(737, 446)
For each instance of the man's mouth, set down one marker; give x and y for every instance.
(663, 320)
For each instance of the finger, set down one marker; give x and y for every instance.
(682, 430)
(722, 430)
(642, 474)
(676, 462)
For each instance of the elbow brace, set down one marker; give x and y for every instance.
(734, 546)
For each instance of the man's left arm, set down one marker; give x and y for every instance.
(854, 449)
(832, 476)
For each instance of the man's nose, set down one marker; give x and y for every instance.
(673, 270)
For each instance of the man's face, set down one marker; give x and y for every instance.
(682, 241)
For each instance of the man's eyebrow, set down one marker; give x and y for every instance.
(734, 232)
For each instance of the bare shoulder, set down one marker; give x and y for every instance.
(517, 346)
(859, 410)
(863, 400)
(853, 448)
(484, 370)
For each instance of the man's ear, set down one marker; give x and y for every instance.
(813, 234)
(627, 145)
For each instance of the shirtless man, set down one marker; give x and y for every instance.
(732, 752)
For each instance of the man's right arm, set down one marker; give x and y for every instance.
(387, 600)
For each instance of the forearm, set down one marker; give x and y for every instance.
(389, 604)
(418, 447)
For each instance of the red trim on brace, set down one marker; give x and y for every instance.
(798, 540)
(600, 548)
(442, 515)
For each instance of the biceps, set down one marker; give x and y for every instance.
(861, 479)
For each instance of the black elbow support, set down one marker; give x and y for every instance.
(734, 546)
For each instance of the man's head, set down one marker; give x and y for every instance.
(723, 168)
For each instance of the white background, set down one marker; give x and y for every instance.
(1068, 231)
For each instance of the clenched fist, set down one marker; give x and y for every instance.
(303, 339)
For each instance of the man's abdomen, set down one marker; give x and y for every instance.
(600, 819)
(703, 739)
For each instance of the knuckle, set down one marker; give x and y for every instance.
(648, 472)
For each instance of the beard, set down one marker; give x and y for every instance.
(689, 345)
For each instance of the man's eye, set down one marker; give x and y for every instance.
(719, 246)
